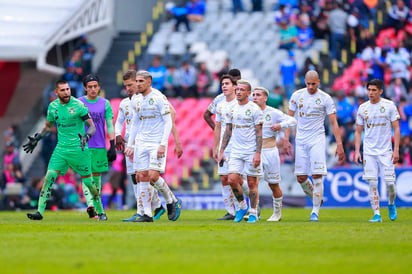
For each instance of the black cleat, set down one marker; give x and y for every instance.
(144, 219)
(35, 216)
(228, 216)
(171, 211)
(91, 211)
(102, 217)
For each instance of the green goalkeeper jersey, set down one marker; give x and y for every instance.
(68, 119)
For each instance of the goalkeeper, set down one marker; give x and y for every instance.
(70, 116)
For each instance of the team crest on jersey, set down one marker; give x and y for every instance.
(318, 101)
(248, 112)
(71, 111)
(267, 118)
(151, 101)
(382, 110)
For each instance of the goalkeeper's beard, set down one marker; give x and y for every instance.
(64, 99)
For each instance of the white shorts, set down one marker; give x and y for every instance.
(243, 164)
(311, 158)
(379, 165)
(145, 158)
(224, 170)
(271, 165)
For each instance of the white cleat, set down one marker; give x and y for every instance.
(276, 217)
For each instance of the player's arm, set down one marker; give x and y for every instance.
(91, 130)
(178, 145)
(225, 141)
(207, 115)
(257, 158)
(287, 145)
(357, 141)
(33, 140)
(336, 133)
(134, 126)
(397, 138)
(118, 129)
(286, 122)
(167, 118)
(111, 153)
(216, 140)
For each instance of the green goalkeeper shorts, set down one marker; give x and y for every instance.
(99, 160)
(65, 157)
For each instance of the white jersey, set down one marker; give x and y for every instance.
(244, 118)
(311, 111)
(377, 121)
(124, 115)
(149, 110)
(272, 116)
(223, 109)
(213, 105)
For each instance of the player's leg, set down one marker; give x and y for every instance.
(97, 202)
(317, 156)
(159, 210)
(136, 190)
(227, 193)
(271, 170)
(302, 168)
(86, 192)
(388, 171)
(236, 167)
(277, 202)
(253, 174)
(146, 196)
(370, 174)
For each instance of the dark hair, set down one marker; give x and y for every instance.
(375, 82)
(130, 74)
(234, 73)
(60, 82)
(227, 76)
(90, 78)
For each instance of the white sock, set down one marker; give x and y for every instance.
(146, 194)
(245, 188)
(374, 195)
(317, 194)
(253, 211)
(307, 187)
(228, 199)
(391, 192)
(155, 198)
(165, 190)
(136, 190)
(277, 205)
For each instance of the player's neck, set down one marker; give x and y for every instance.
(91, 98)
(230, 97)
(373, 102)
(262, 107)
(243, 101)
(147, 91)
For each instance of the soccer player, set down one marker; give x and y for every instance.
(378, 116)
(70, 116)
(101, 112)
(228, 84)
(245, 124)
(274, 120)
(312, 105)
(126, 115)
(207, 115)
(150, 130)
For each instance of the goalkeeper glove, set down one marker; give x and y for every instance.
(83, 140)
(111, 153)
(32, 143)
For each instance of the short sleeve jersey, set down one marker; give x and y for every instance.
(150, 110)
(213, 105)
(311, 111)
(222, 110)
(377, 121)
(272, 116)
(244, 118)
(68, 118)
(124, 115)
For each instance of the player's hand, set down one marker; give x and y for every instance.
(215, 156)
(161, 152)
(129, 151)
(287, 147)
(358, 158)
(120, 143)
(221, 159)
(83, 140)
(276, 128)
(395, 156)
(178, 150)
(111, 153)
(32, 143)
(256, 160)
(340, 153)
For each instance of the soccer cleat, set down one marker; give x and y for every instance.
(228, 216)
(392, 212)
(178, 206)
(134, 217)
(246, 217)
(276, 217)
(91, 211)
(314, 217)
(376, 219)
(240, 214)
(158, 212)
(171, 211)
(144, 219)
(102, 217)
(35, 216)
(252, 219)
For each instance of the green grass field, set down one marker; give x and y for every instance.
(342, 242)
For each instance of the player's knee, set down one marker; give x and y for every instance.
(51, 175)
(153, 176)
(302, 178)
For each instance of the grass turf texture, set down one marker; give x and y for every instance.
(342, 242)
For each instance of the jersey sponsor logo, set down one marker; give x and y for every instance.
(382, 110)
(318, 101)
